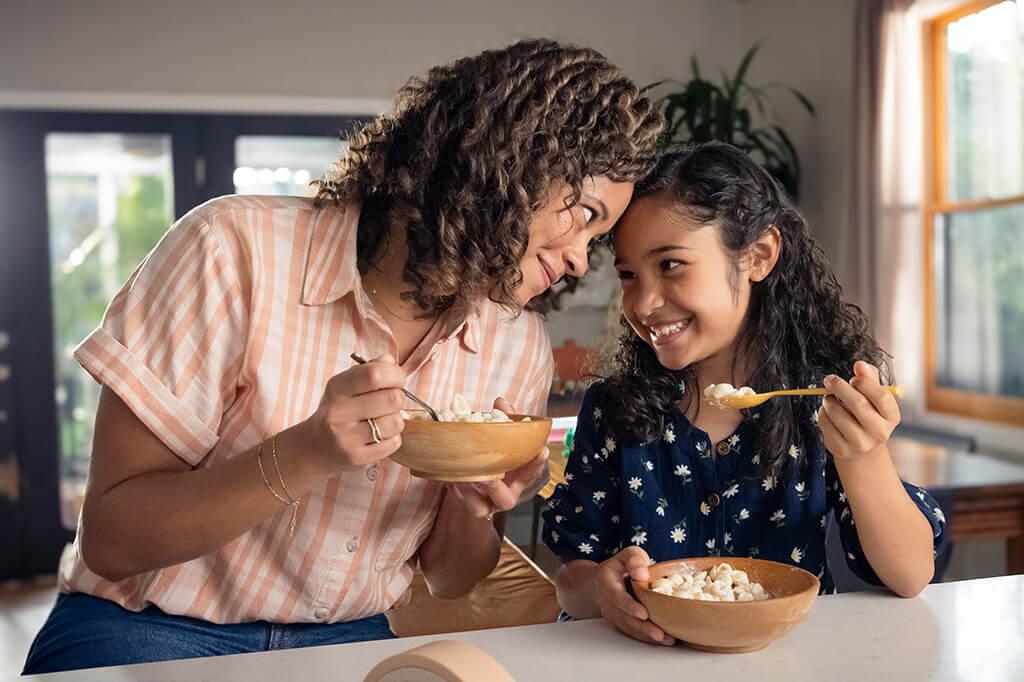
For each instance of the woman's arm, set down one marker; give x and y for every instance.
(465, 543)
(146, 509)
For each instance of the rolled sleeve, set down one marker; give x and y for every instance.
(172, 340)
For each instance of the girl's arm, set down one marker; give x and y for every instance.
(896, 537)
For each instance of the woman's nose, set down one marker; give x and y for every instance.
(576, 261)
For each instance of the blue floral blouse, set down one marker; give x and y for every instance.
(674, 499)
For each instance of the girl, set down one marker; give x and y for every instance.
(722, 283)
(241, 496)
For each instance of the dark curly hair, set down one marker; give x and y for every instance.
(472, 150)
(796, 330)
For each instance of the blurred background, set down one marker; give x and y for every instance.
(898, 124)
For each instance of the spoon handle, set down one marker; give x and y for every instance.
(409, 394)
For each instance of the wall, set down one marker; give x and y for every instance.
(323, 48)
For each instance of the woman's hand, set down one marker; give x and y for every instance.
(617, 606)
(860, 417)
(341, 431)
(486, 498)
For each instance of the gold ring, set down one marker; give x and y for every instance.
(374, 431)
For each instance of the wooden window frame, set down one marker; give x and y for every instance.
(1002, 410)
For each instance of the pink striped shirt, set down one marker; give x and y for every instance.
(226, 334)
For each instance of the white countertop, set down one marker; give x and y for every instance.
(970, 630)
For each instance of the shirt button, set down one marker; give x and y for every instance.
(352, 545)
(320, 614)
(714, 500)
(723, 448)
(372, 472)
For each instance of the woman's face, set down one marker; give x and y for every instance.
(681, 290)
(559, 236)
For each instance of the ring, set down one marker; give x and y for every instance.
(374, 431)
(490, 515)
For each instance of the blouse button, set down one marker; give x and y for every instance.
(714, 500)
(723, 448)
(320, 614)
(352, 545)
(371, 473)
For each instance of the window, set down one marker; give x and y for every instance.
(974, 215)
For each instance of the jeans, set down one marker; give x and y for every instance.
(84, 631)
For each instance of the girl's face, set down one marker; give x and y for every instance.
(682, 292)
(559, 236)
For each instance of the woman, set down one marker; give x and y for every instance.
(241, 496)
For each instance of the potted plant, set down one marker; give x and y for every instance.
(701, 111)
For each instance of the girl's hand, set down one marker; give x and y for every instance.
(861, 415)
(486, 498)
(339, 432)
(617, 606)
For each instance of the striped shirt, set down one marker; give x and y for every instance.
(226, 334)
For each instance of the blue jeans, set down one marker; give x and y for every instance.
(88, 632)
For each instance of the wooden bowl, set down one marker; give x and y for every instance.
(732, 627)
(470, 451)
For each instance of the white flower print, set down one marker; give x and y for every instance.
(682, 387)
(743, 515)
(801, 491)
(822, 521)
(585, 460)
(756, 459)
(779, 517)
(599, 495)
(710, 544)
(595, 537)
(615, 519)
(794, 451)
(815, 416)
(734, 440)
(796, 555)
(662, 505)
(920, 494)
(555, 537)
(846, 512)
(669, 435)
(683, 472)
(851, 556)
(678, 534)
(639, 536)
(728, 538)
(705, 509)
(649, 465)
(569, 476)
(731, 491)
(842, 496)
(609, 444)
(702, 448)
(578, 509)
(585, 548)
(635, 483)
(768, 483)
(597, 414)
(939, 515)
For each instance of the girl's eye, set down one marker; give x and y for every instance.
(670, 264)
(626, 274)
(588, 214)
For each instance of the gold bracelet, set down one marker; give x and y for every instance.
(263, 473)
(294, 504)
(273, 451)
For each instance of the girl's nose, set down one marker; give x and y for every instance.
(576, 261)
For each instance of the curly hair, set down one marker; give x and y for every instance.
(797, 328)
(469, 153)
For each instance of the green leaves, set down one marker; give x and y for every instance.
(701, 111)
